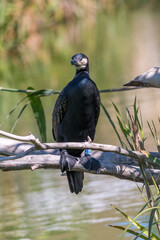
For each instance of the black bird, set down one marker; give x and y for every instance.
(74, 119)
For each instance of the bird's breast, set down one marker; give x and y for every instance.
(81, 97)
(80, 115)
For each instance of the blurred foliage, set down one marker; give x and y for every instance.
(28, 28)
(23, 23)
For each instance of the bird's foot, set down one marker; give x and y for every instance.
(90, 163)
(67, 161)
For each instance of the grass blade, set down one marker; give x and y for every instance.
(130, 231)
(22, 110)
(38, 111)
(125, 130)
(112, 123)
(152, 159)
(12, 90)
(136, 110)
(136, 224)
(152, 217)
(13, 109)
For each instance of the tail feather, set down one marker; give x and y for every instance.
(75, 181)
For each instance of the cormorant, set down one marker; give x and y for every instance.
(151, 78)
(74, 119)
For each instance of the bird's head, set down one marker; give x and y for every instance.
(81, 62)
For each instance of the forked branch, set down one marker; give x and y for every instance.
(19, 153)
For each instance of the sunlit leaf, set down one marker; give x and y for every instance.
(136, 224)
(125, 133)
(152, 159)
(130, 231)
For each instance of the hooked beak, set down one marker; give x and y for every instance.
(73, 62)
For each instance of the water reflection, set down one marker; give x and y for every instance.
(46, 206)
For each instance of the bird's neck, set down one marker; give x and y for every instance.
(82, 70)
(77, 74)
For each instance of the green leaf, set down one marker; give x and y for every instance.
(154, 135)
(19, 115)
(42, 92)
(124, 128)
(130, 231)
(38, 111)
(153, 160)
(152, 217)
(13, 109)
(136, 224)
(118, 112)
(45, 92)
(125, 132)
(136, 110)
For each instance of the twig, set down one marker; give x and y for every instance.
(30, 138)
(119, 89)
(12, 90)
(25, 90)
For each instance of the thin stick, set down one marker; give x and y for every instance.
(12, 90)
(119, 89)
(74, 145)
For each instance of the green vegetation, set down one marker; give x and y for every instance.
(34, 33)
(132, 130)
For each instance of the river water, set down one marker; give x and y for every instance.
(38, 205)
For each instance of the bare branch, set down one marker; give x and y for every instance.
(74, 145)
(113, 164)
(119, 89)
(12, 90)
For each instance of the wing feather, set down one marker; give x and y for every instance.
(97, 108)
(58, 113)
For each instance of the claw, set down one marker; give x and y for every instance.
(67, 161)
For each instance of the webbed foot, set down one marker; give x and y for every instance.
(90, 163)
(67, 161)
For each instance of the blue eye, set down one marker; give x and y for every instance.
(81, 59)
